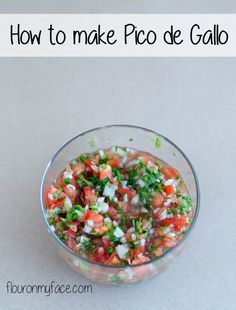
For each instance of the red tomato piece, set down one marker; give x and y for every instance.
(71, 193)
(139, 250)
(70, 234)
(157, 201)
(177, 222)
(126, 191)
(48, 194)
(115, 162)
(72, 245)
(140, 260)
(113, 260)
(170, 190)
(57, 204)
(106, 243)
(100, 255)
(78, 168)
(93, 216)
(89, 195)
(105, 172)
(114, 215)
(91, 167)
(169, 173)
(146, 157)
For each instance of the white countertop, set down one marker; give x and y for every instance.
(45, 102)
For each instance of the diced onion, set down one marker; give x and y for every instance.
(67, 203)
(68, 174)
(169, 182)
(70, 186)
(141, 183)
(109, 190)
(163, 214)
(90, 223)
(107, 220)
(135, 200)
(142, 242)
(122, 250)
(87, 229)
(118, 232)
(131, 230)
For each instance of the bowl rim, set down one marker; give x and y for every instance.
(61, 243)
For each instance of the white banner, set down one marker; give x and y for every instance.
(117, 35)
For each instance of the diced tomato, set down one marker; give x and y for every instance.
(168, 243)
(177, 222)
(78, 168)
(70, 234)
(123, 205)
(114, 215)
(91, 167)
(115, 162)
(169, 172)
(129, 192)
(106, 243)
(159, 251)
(113, 260)
(140, 260)
(157, 201)
(105, 172)
(89, 195)
(61, 196)
(47, 196)
(134, 253)
(57, 204)
(71, 193)
(71, 244)
(146, 157)
(132, 155)
(100, 255)
(74, 226)
(56, 220)
(101, 230)
(93, 216)
(170, 190)
(128, 236)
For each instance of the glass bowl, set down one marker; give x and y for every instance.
(140, 139)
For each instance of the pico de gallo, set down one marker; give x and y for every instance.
(119, 206)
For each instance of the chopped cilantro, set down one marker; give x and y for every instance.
(132, 177)
(71, 215)
(117, 174)
(81, 158)
(67, 181)
(82, 181)
(138, 226)
(91, 143)
(87, 244)
(109, 250)
(119, 210)
(74, 216)
(79, 208)
(141, 164)
(158, 143)
(186, 205)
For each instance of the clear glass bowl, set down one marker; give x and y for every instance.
(140, 139)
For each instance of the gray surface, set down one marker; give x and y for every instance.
(45, 102)
(121, 6)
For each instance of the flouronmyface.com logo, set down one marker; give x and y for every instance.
(48, 289)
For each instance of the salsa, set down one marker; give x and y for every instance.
(119, 206)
